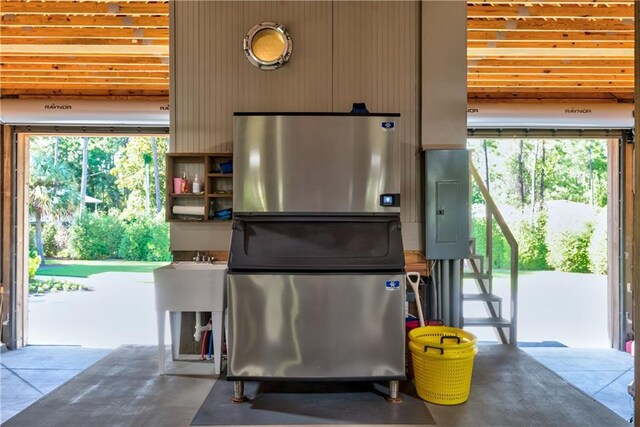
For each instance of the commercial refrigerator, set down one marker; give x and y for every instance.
(316, 281)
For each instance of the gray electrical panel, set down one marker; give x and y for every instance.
(447, 209)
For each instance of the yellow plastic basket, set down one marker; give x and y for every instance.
(443, 363)
(453, 340)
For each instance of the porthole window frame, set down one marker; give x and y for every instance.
(260, 63)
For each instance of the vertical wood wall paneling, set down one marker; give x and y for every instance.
(377, 61)
(342, 53)
(444, 75)
(214, 79)
(629, 219)
(636, 226)
(613, 250)
(5, 266)
(172, 79)
(22, 242)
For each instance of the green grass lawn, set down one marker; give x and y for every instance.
(81, 268)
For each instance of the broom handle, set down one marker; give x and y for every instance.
(414, 281)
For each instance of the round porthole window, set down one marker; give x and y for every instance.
(268, 46)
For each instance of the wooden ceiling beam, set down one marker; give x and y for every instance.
(499, 61)
(534, 79)
(545, 36)
(559, 3)
(552, 44)
(106, 83)
(71, 93)
(138, 8)
(484, 52)
(549, 71)
(53, 49)
(92, 33)
(541, 86)
(84, 21)
(64, 58)
(61, 68)
(17, 74)
(82, 41)
(606, 25)
(527, 95)
(551, 11)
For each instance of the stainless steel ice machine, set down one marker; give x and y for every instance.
(316, 264)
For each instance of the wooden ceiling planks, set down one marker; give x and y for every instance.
(103, 48)
(518, 50)
(151, 8)
(541, 50)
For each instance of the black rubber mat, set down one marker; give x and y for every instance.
(283, 403)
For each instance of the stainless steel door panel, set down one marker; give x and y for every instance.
(316, 326)
(301, 164)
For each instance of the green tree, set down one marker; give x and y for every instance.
(52, 192)
(576, 169)
(101, 182)
(102, 150)
(132, 170)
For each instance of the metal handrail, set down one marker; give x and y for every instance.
(494, 212)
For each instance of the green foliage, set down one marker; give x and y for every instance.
(598, 259)
(87, 268)
(501, 250)
(54, 285)
(63, 240)
(115, 165)
(145, 240)
(49, 243)
(52, 192)
(32, 267)
(32, 241)
(569, 250)
(95, 236)
(131, 163)
(532, 245)
(563, 170)
(52, 189)
(100, 161)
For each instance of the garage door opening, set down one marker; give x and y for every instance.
(96, 232)
(553, 196)
(563, 199)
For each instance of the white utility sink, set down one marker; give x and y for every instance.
(191, 286)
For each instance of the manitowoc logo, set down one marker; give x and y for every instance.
(57, 107)
(164, 107)
(577, 111)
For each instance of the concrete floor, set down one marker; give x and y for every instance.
(28, 374)
(601, 373)
(509, 388)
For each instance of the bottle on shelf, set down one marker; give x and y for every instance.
(185, 182)
(196, 185)
(212, 209)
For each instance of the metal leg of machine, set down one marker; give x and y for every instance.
(238, 392)
(394, 396)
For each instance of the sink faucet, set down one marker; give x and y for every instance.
(197, 257)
